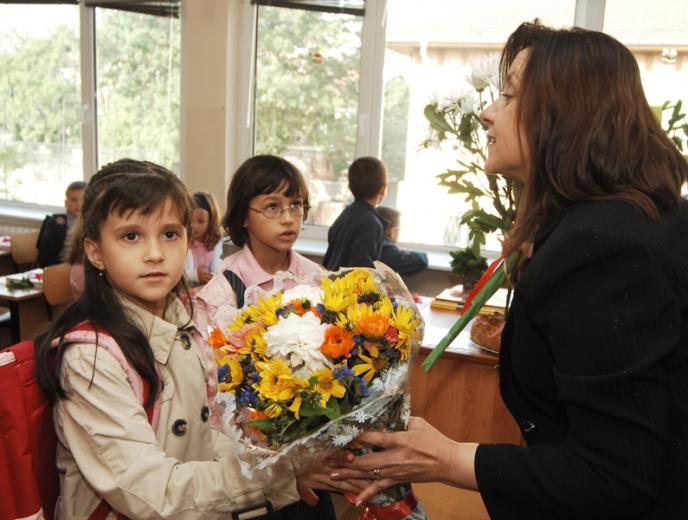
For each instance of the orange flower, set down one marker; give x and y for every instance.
(338, 343)
(373, 325)
(217, 338)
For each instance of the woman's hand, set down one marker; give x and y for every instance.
(319, 476)
(421, 454)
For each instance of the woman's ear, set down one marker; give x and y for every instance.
(92, 251)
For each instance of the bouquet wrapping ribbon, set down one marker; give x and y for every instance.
(396, 511)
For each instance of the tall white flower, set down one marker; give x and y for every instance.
(297, 339)
(469, 103)
(484, 72)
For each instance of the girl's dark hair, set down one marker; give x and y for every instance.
(120, 187)
(589, 131)
(259, 175)
(207, 201)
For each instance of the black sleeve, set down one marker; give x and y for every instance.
(609, 317)
(403, 262)
(50, 242)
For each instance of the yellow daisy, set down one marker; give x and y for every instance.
(327, 386)
(265, 310)
(370, 366)
(295, 406)
(277, 381)
(236, 375)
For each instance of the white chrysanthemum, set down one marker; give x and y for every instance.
(484, 72)
(469, 103)
(297, 339)
(303, 292)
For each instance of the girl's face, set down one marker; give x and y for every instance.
(506, 149)
(142, 255)
(273, 235)
(199, 223)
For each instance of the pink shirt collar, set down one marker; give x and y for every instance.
(249, 270)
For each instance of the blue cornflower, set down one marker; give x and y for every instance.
(223, 373)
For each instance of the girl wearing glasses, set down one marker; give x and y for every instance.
(267, 203)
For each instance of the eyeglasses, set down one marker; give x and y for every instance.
(273, 211)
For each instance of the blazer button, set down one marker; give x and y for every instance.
(179, 427)
(527, 426)
(186, 341)
(205, 413)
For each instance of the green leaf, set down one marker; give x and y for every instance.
(266, 425)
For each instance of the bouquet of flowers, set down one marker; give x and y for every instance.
(304, 368)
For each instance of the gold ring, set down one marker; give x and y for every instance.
(376, 474)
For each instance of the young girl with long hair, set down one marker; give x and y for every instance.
(128, 379)
(205, 250)
(594, 354)
(267, 202)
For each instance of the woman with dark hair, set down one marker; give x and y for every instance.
(594, 354)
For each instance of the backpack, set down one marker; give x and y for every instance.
(237, 285)
(28, 474)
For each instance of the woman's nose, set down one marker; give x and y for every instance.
(487, 115)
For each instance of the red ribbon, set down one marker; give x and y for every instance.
(481, 282)
(396, 511)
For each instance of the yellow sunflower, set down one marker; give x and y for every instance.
(370, 366)
(327, 386)
(236, 375)
(254, 343)
(277, 381)
(265, 310)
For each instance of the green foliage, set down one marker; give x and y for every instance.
(454, 123)
(677, 123)
(468, 264)
(307, 73)
(138, 89)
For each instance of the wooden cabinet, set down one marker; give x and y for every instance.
(460, 395)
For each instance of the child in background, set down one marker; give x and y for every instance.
(267, 202)
(112, 457)
(56, 227)
(355, 238)
(403, 262)
(205, 250)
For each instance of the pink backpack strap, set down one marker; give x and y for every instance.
(85, 333)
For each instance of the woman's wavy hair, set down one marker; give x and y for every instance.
(261, 174)
(207, 201)
(120, 187)
(588, 128)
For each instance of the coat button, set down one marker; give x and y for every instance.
(186, 341)
(205, 413)
(527, 426)
(179, 427)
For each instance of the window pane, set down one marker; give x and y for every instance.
(656, 34)
(307, 70)
(429, 47)
(40, 118)
(138, 82)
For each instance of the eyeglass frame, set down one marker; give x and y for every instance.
(303, 207)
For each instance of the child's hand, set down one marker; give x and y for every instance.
(204, 275)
